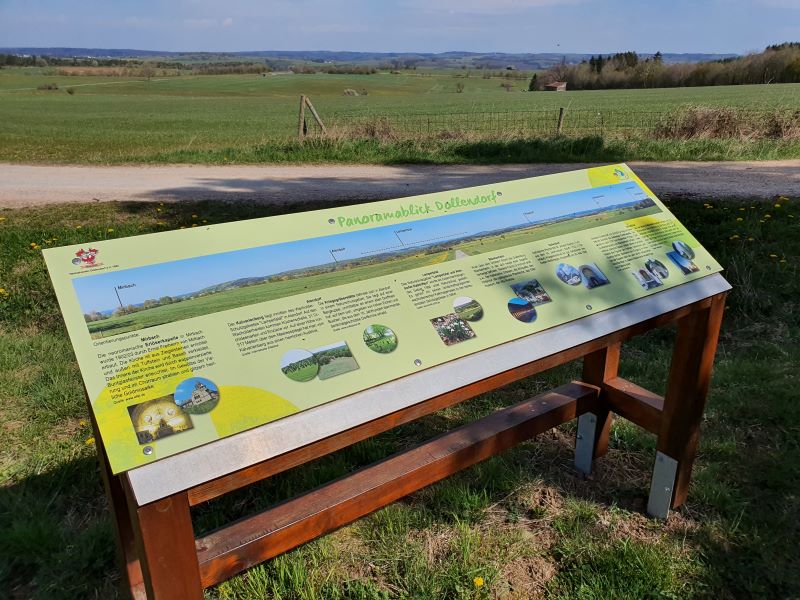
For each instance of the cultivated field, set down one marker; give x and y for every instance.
(248, 118)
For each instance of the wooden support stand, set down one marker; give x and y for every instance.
(163, 560)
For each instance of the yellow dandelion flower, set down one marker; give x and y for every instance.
(110, 230)
(158, 210)
(777, 206)
(89, 441)
(33, 244)
(2, 219)
(78, 226)
(3, 292)
(783, 199)
(82, 422)
(478, 581)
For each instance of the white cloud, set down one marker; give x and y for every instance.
(227, 22)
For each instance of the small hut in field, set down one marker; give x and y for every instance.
(556, 86)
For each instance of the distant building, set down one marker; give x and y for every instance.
(556, 86)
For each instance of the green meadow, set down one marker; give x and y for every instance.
(523, 523)
(251, 119)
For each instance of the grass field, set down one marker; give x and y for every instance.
(384, 344)
(522, 522)
(247, 118)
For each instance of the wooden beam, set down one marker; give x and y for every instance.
(634, 403)
(599, 367)
(301, 121)
(687, 388)
(315, 115)
(165, 544)
(252, 540)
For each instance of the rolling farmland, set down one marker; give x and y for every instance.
(248, 118)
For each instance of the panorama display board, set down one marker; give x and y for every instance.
(188, 336)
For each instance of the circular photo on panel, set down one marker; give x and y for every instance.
(468, 308)
(197, 395)
(380, 339)
(522, 310)
(299, 365)
(568, 274)
(684, 249)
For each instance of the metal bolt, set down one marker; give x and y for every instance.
(148, 450)
(580, 437)
(666, 489)
(331, 221)
(418, 362)
(588, 307)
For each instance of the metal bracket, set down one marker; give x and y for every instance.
(584, 442)
(662, 486)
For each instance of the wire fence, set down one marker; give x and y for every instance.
(567, 122)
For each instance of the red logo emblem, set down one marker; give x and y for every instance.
(86, 258)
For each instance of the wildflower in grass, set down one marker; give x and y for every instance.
(783, 199)
(194, 216)
(78, 226)
(3, 292)
(204, 221)
(82, 422)
(735, 237)
(478, 581)
(110, 230)
(773, 256)
(2, 219)
(761, 221)
(751, 239)
(194, 224)
(162, 223)
(158, 210)
(742, 208)
(89, 441)
(777, 206)
(783, 260)
(767, 216)
(791, 216)
(739, 219)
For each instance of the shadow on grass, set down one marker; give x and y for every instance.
(57, 540)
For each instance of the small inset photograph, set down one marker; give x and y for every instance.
(197, 395)
(522, 310)
(686, 266)
(568, 274)
(334, 359)
(592, 276)
(657, 268)
(452, 329)
(468, 308)
(299, 365)
(532, 291)
(684, 249)
(646, 279)
(159, 418)
(380, 339)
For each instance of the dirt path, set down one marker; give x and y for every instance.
(26, 185)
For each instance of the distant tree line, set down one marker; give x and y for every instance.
(779, 63)
(335, 69)
(129, 309)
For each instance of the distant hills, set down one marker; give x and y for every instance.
(487, 60)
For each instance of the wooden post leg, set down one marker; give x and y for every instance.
(594, 426)
(684, 402)
(131, 570)
(166, 543)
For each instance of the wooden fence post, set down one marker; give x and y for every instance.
(301, 122)
(561, 112)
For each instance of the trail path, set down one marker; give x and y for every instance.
(29, 185)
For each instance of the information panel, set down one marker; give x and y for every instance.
(185, 337)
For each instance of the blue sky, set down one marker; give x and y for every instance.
(403, 25)
(97, 292)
